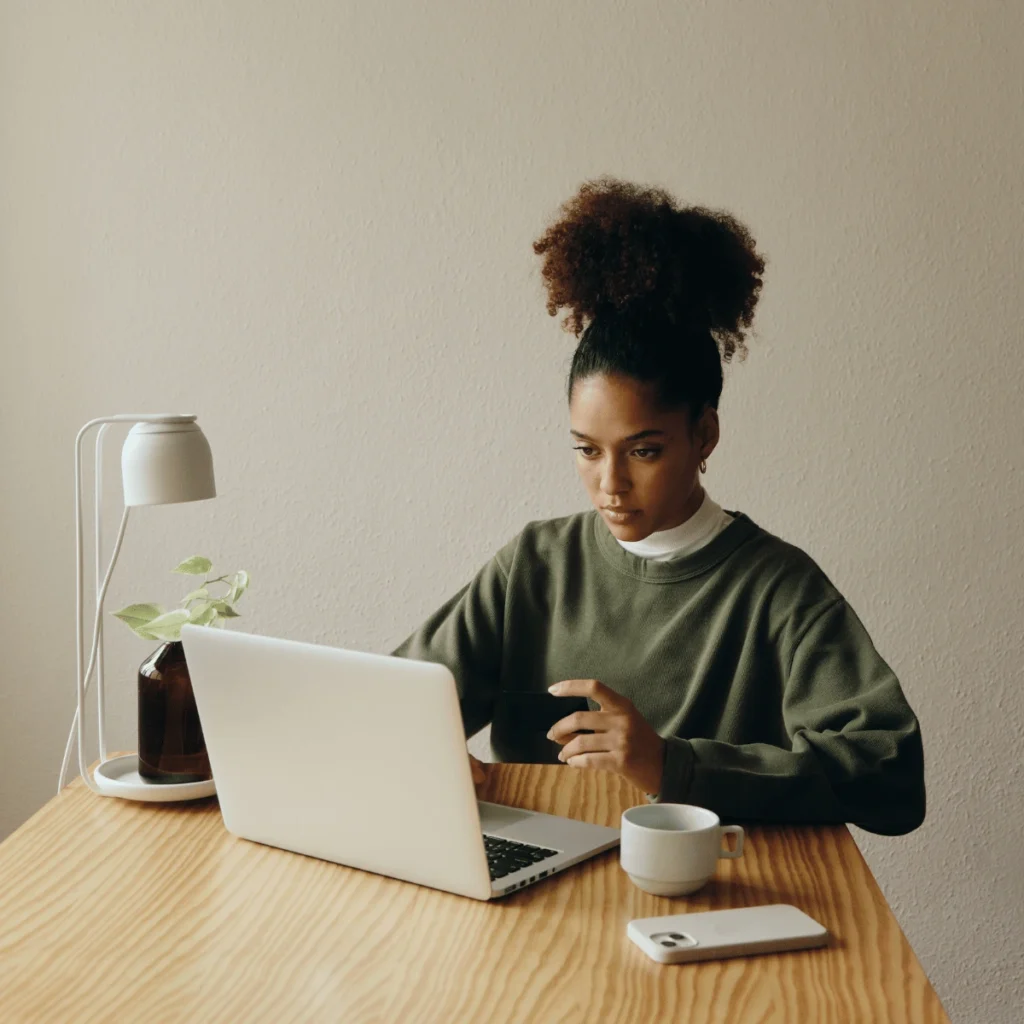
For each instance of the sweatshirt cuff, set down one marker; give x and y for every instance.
(677, 772)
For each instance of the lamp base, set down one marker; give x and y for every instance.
(120, 777)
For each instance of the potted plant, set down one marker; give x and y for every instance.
(171, 744)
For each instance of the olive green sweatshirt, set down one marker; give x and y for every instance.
(743, 656)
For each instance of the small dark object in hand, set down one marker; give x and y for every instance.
(521, 722)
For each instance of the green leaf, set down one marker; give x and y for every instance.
(136, 615)
(195, 595)
(194, 566)
(168, 626)
(202, 614)
(239, 586)
(225, 610)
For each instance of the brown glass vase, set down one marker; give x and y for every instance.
(171, 744)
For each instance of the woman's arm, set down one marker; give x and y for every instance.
(855, 745)
(465, 634)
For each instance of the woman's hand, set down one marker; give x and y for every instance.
(479, 773)
(621, 740)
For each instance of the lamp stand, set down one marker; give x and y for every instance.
(118, 776)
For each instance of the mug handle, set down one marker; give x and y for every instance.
(737, 831)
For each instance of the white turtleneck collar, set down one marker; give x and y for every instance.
(701, 528)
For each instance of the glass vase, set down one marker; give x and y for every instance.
(171, 744)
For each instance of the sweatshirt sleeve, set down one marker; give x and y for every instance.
(855, 751)
(465, 634)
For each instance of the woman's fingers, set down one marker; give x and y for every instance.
(599, 759)
(608, 698)
(590, 743)
(478, 771)
(565, 728)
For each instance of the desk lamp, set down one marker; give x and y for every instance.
(165, 459)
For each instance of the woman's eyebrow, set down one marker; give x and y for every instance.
(632, 437)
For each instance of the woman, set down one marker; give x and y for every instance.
(722, 667)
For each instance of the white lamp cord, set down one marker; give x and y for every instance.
(83, 681)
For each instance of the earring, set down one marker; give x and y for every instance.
(703, 465)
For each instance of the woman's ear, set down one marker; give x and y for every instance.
(707, 431)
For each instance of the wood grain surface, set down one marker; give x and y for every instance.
(118, 911)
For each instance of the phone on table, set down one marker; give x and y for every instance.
(714, 934)
(521, 722)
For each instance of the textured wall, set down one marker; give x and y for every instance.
(311, 225)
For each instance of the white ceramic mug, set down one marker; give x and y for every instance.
(673, 849)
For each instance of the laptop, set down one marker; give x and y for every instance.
(361, 759)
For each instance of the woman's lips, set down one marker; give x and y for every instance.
(620, 515)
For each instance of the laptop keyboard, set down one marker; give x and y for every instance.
(505, 856)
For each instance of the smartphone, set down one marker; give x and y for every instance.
(521, 722)
(714, 934)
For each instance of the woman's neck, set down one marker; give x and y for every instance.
(690, 535)
(690, 508)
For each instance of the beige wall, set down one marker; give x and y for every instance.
(311, 224)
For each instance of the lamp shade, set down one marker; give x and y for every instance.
(167, 462)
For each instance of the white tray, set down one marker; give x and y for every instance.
(120, 777)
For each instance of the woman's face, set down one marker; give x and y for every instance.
(639, 462)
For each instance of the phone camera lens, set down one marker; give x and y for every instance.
(665, 942)
(679, 938)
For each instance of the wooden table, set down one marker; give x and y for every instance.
(117, 911)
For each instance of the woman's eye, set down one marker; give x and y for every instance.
(647, 453)
(584, 450)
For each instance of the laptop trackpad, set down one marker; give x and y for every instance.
(496, 819)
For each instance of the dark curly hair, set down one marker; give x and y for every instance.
(661, 292)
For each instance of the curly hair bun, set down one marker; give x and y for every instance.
(618, 245)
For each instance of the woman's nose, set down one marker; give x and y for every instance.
(613, 479)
